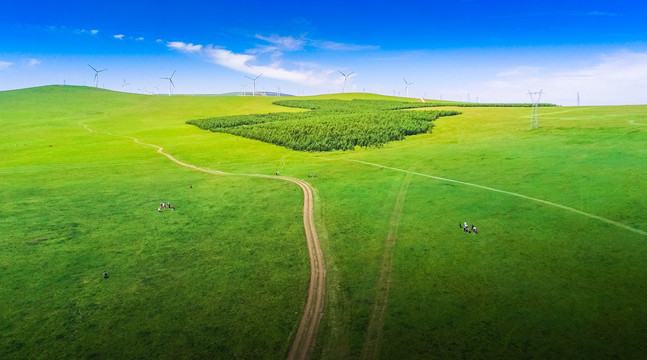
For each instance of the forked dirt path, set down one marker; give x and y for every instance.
(373, 337)
(304, 339)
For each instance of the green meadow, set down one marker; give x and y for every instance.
(557, 269)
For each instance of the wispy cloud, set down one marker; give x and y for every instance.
(267, 58)
(616, 79)
(184, 47)
(247, 64)
(251, 63)
(290, 43)
(76, 31)
(34, 62)
(336, 46)
(5, 64)
(519, 71)
(118, 36)
(599, 13)
(280, 43)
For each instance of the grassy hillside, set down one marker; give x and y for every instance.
(225, 275)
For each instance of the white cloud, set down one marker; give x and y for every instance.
(139, 38)
(600, 13)
(289, 43)
(617, 79)
(268, 59)
(119, 36)
(245, 63)
(94, 32)
(34, 62)
(184, 47)
(5, 64)
(336, 46)
(159, 41)
(519, 71)
(281, 43)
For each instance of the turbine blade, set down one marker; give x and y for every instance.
(173, 73)
(92, 67)
(171, 80)
(351, 73)
(342, 74)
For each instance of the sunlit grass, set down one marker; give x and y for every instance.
(225, 275)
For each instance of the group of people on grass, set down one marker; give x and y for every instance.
(165, 206)
(467, 228)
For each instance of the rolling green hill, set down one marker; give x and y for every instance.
(556, 270)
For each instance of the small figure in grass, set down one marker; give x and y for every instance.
(474, 229)
(105, 275)
(277, 173)
(172, 207)
(309, 175)
(465, 227)
(314, 175)
(190, 186)
(159, 209)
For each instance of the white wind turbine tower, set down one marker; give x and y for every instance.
(170, 82)
(345, 78)
(254, 81)
(407, 85)
(124, 86)
(96, 75)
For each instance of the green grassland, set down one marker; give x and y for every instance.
(225, 275)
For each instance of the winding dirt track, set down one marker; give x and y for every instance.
(304, 339)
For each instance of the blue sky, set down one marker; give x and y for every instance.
(486, 51)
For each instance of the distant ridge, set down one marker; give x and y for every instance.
(258, 93)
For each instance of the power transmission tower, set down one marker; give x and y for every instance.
(534, 97)
(578, 98)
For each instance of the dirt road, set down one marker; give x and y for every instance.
(304, 339)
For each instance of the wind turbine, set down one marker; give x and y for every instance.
(124, 86)
(407, 87)
(96, 75)
(345, 78)
(170, 82)
(254, 81)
